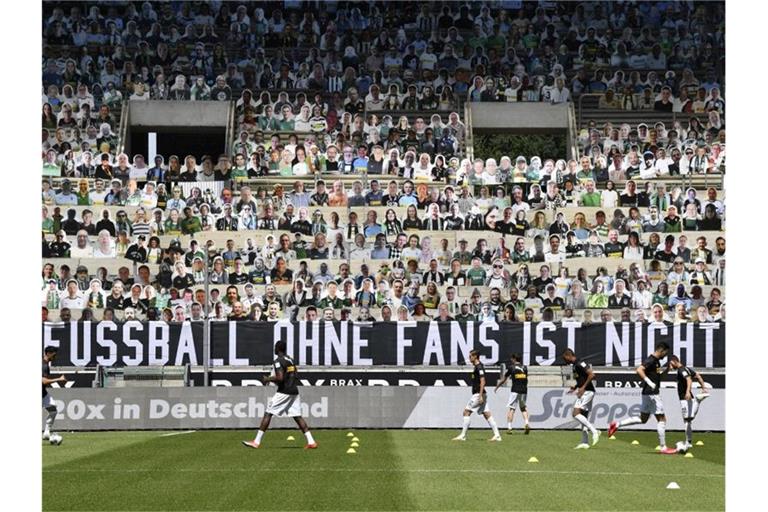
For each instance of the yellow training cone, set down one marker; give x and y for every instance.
(658, 448)
(635, 442)
(350, 434)
(290, 438)
(533, 459)
(699, 443)
(355, 440)
(354, 445)
(612, 438)
(689, 455)
(351, 450)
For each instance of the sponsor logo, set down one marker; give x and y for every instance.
(558, 406)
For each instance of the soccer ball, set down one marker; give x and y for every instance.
(681, 447)
(55, 439)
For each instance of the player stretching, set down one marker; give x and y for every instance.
(49, 354)
(650, 372)
(478, 403)
(689, 404)
(286, 401)
(519, 391)
(585, 392)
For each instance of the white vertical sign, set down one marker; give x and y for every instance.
(151, 147)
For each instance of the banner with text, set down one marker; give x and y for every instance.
(369, 407)
(379, 343)
(449, 343)
(132, 343)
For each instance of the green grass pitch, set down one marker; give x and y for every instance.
(392, 470)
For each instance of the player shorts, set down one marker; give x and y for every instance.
(475, 405)
(517, 398)
(48, 402)
(284, 405)
(584, 402)
(689, 408)
(651, 404)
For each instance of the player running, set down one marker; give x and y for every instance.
(478, 403)
(689, 404)
(650, 372)
(518, 393)
(585, 393)
(49, 354)
(286, 401)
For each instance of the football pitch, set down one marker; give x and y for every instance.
(391, 470)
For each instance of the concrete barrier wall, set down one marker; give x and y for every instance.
(179, 113)
(509, 117)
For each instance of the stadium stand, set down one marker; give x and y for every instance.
(348, 189)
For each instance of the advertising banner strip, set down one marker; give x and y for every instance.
(133, 343)
(368, 407)
(352, 377)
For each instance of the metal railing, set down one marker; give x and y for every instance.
(573, 133)
(122, 131)
(469, 148)
(230, 135)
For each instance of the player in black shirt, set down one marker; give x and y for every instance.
(49, 354)
(650, 372)
(286, 401)
(585, 393)
(479, 402)
(518, 392)
(689, 404)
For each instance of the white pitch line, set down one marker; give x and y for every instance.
(373, 470)
(169, 434)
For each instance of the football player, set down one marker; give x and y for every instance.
(479, 401)
(585, 393)
(689, 403)
(650, 373)
(286, 401)
(49, 354)
(518, 393)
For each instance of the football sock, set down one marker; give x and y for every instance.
(689, 432)
(465, 427)
(584, 435)
(585, 422)
(259, 435)
(310, 439)
(661, 428)
(492, 423)
(694, 407)
(634, 420)
(509, 425)
(50, 418)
